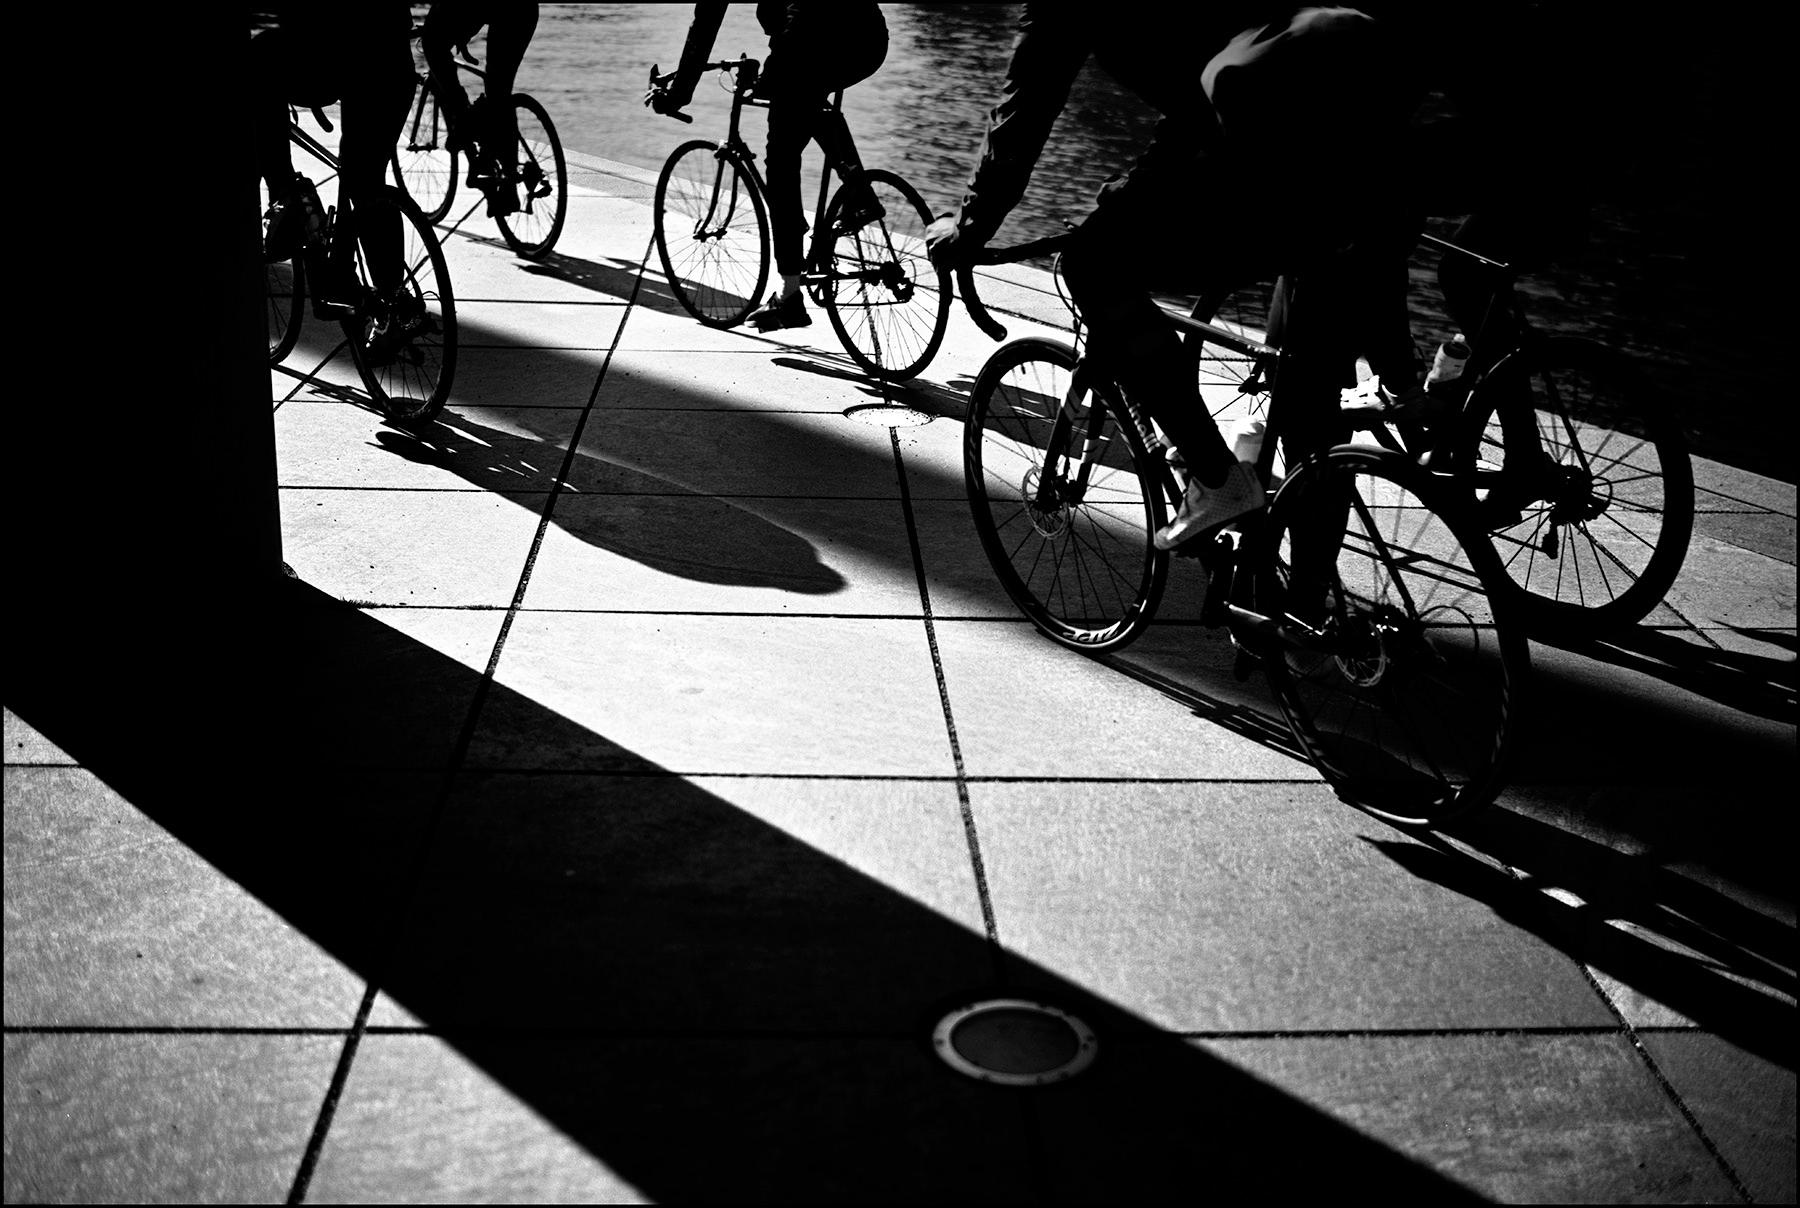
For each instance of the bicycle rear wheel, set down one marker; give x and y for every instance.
(1596, 539)
(542, 179)
(1409, 705)
(1070, 538)
(712, 233)
(424, 165)
(402, 337)
(888, 304)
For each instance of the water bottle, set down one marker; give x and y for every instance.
(1445, 378)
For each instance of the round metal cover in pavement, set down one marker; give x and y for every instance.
(1014, 1042)
(888, 415)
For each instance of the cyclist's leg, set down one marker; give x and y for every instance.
(1111, 272)
(373, 111)
(446, 27)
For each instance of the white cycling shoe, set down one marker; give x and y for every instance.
(1204, 507)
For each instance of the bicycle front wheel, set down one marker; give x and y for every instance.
(1066, 499)
(1594, 537)
(541, 176)
(888, 304)
(1407, 697)
(424, 165)
(403, 333)
(712, 233)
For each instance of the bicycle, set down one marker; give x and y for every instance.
(1365, 591)
(425, 164)
(402, 338)
(1590, 495)
(887, 303)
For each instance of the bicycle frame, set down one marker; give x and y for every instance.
(818, 256)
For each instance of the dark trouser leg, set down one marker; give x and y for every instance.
(792, 120)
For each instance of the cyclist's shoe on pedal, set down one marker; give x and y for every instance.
(501, 191)
(1204, 507)
(780, 313)
(389, 341)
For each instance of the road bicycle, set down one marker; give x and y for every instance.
(426, 157)
(1365, 591)
(402, 336)
(888, 304)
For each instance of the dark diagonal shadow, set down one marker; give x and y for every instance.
(708, 1005)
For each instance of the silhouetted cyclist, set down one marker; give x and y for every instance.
(485, 130)
(356, 54)
(1281, 142)
(815, 49)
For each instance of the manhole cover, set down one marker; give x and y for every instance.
(888, 415)
(1014, 1042)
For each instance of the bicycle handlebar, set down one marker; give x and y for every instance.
(965, 277)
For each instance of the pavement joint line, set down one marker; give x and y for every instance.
(989, 922)
(1630, 1032)
(1146, 1032)
(340, 1076)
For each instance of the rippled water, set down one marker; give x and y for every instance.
(1656, 280)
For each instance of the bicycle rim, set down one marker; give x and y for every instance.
(1599, 539)
(887, 303)
(711, 234)
(1409, 708)
(1076, 557)
(414, 384)
(542, 183)
(284, 298)
(424, 168)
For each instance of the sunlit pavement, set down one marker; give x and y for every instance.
(686, 765)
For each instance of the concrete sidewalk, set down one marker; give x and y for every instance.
(680, 763)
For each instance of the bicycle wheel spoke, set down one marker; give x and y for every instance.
(888, 304)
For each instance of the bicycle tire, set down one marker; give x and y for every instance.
(714, 248)
(532, 230)
(1087, 571)
(424, 167)
(1413, 711)
(284, 297)
(415, 384)
(1600, 544)
(887, 302)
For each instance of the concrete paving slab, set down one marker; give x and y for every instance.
(1025, 707)
(160, 1118)
(111, 921)
(700, 694)
(1516, 1118)
(637, 553)
(1743, 1103)
(735, 453)
(543, 326)
(332, 445)
(1227, 907)
(434, 549)
(748, 378)
(1723, 584)
(660, 903)
(526, 377)
(620, 1121)
(25, 746)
